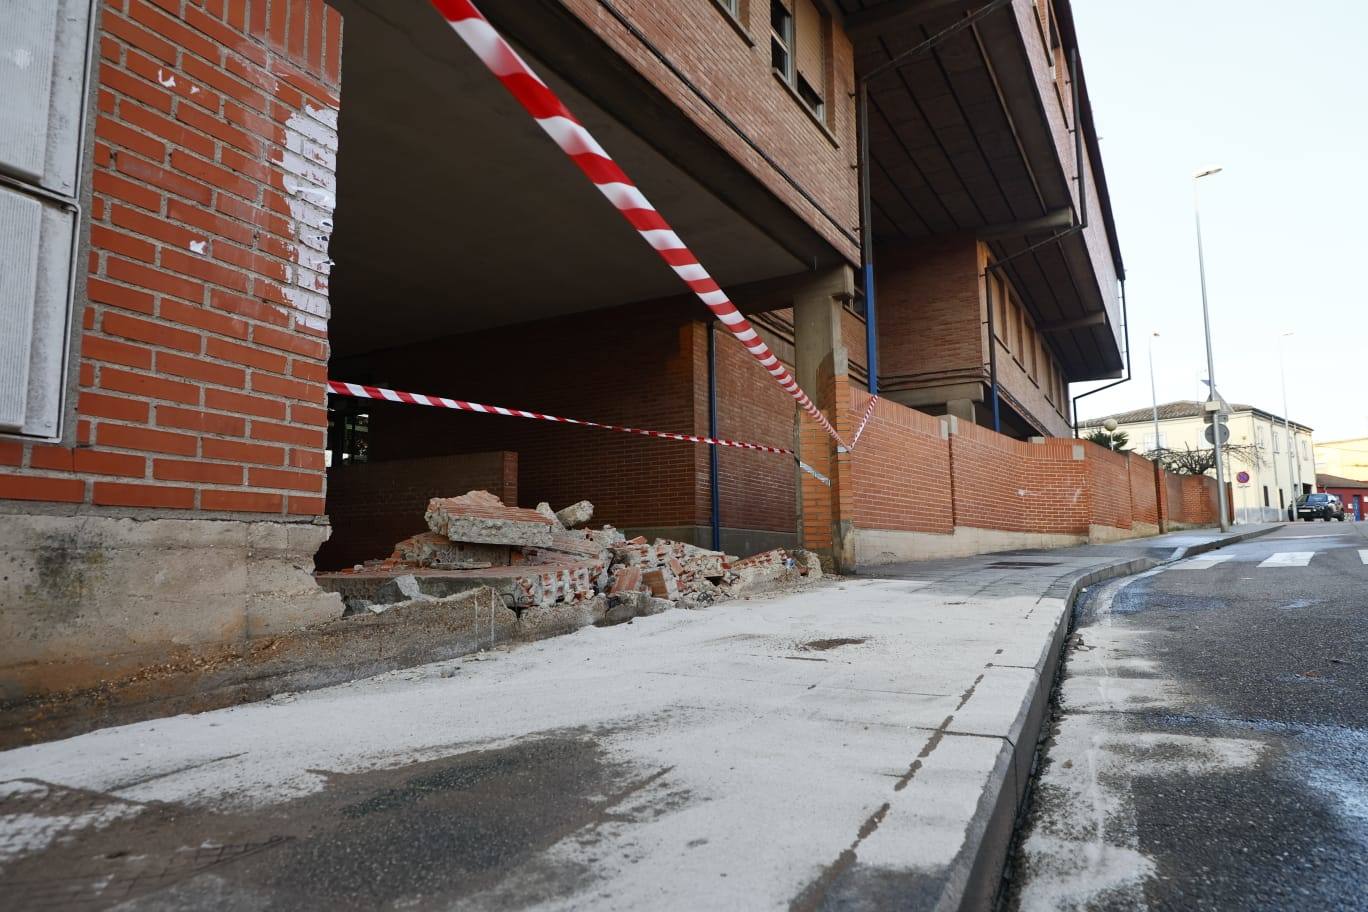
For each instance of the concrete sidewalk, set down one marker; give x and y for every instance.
(860, 744)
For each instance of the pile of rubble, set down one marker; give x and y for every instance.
(537, 559)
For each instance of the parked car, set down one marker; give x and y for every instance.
(1320, 506)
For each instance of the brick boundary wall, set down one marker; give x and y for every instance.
(1144, 492)
(204, 336)
(938, 478)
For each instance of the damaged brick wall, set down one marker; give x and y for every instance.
(372, 505)
(204, 342)
(901, 470)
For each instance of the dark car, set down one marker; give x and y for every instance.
(1320, 506)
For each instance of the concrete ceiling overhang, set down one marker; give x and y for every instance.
(960, 142)
(455, 212)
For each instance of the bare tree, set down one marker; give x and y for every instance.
(1202, 460)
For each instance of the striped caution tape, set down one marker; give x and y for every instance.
(581, 147)
(864, 420)
(361, 391)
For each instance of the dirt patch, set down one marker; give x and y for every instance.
(834, 643)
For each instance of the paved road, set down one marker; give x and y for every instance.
(1211, 749)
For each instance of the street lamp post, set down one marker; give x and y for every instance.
(1211, 366)
(1287, 430)
(1154, 396)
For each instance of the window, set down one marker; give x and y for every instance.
(42, 122)
(1258, 436)
(1305, 454)
(1265, 487)
(810, 56)
(1030, 347)
(1150, 442)
(781, 39)
(731, 6)
(1277, 442)
(798, 39)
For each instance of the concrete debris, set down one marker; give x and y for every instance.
(544, 509)
(479, 517)
(577, 514)
(534, 560)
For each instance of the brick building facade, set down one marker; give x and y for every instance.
(254, 204)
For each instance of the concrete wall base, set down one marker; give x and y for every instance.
(86, 599)
(882, 546)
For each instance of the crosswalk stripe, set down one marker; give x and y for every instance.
(1363, 555)
(1289, 559)
(1202, 562)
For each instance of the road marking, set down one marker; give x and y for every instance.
(1289, 559)
(1202, 562)
(1363, 555)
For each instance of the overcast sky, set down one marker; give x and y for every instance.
(1277, 94)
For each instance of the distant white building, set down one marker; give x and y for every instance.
(1262, 487)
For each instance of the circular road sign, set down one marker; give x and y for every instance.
(1242, 477)
(1224, 432)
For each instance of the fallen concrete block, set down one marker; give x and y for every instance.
(577, 514)
(428, 549)
(482, 518)
(656, 606)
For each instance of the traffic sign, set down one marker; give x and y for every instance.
(1225, 433)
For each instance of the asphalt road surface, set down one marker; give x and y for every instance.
(1210, 749)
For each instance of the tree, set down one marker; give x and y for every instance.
(1202, 460)
(1113, 440)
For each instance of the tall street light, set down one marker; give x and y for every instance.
(1287, 428)
(1211, 365)
(1154, 396)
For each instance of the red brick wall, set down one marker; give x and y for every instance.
(757, 490)
(1109, 486)
(204, 343)
(930, 325)
(1200, 503)
(1014, 486)
(901, 469)
(645, 366)
(630, 366)
(699, 39)
(1143, 491)
(373, 505)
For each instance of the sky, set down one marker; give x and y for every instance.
(1277, 95)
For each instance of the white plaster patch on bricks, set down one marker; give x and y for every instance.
(309, 160)
(167, 81)
(199, 247)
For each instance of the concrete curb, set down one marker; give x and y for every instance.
(1204, 547)
(989, 836)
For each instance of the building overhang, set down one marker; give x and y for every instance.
(971, 137)
(456, 213)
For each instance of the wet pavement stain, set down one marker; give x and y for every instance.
(424, 835)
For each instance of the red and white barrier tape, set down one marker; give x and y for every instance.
(864, 420)
(362, 391)
(577, 143)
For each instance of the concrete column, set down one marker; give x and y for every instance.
(825, 513)
(963, 409)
